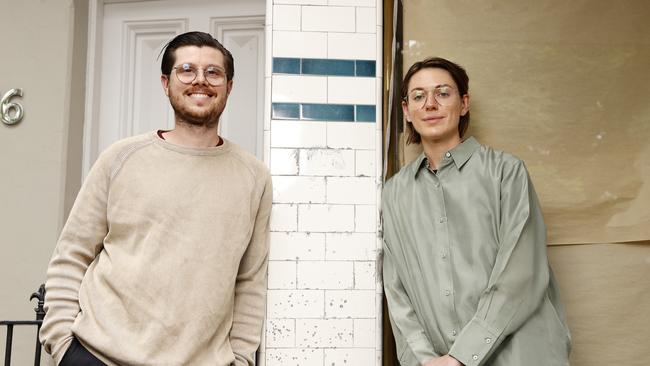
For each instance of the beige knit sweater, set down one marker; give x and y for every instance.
(163, 259)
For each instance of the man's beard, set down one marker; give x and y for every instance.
(205, 118)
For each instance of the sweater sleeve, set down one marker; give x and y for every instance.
(250, 287)
(520, 275)
(79, 243)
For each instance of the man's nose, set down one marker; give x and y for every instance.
(200, 77)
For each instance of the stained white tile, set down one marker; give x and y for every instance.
(298, 88)
(298, 246)
(298, 189)
(328, 19)
(319, 333)
(347, 135)
(325, 275)
(285, 161)
(326, 162)
(350, 246)
(365, 332)
(352, 2)
(365, 218)
(286, 17)
(295, 304)
(350, 303)
(359, 46)
(326, 218)
(366, 20)
(350, 356)
(294, 357)
(305, 134)
(351, 90)
(282, 275)
(284, 217)
(364, 163)
(281, 333)
(365, 275)
(299, 44)
(351, 190)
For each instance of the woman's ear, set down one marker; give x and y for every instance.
(465, 101)
(405, 111)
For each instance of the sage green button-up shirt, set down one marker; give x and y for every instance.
(465, 268)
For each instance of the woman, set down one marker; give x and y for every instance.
(466, 273)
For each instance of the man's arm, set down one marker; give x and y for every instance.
(250, 288)
(402, 315)
(80, 242)
(520, 275)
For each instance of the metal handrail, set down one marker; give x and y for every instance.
(40, 314)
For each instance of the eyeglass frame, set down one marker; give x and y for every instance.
(196, 73)
(427, 92)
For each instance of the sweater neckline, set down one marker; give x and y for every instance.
(199, 151)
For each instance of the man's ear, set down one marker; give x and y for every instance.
(465, 104)
(230, 84)
(164, 80)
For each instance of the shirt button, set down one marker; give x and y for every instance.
(448, 154)
(436, 184)
(488, 340)
(474, 357)
(443, 255)
(453, 332)
(447, 292)
(443, 220)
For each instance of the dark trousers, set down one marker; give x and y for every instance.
(77, 355)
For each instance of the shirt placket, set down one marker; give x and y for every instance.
(450, 321)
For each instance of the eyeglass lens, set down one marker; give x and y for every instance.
(187, 73)
(443, 95)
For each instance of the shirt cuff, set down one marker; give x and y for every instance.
(474, 343)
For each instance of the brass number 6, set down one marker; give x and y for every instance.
(11, 113)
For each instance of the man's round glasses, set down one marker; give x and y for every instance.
(444, 95)
(187, 73)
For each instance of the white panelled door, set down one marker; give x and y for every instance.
(125, 97)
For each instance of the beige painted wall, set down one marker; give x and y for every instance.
(565, 86)
(43, 52)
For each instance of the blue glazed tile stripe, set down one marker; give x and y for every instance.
(328, 112)
(365, 68)
(365, 113)
(283, 65)
(323, 112)
(327, 67)
(285, 111)
(324, 67)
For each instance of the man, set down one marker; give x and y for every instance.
(466, 274)
(163, 258)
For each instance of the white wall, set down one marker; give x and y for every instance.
(41, 55)
(324, 299)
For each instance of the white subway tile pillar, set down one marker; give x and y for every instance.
(323, 146)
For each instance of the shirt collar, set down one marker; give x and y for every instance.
(460, 154)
